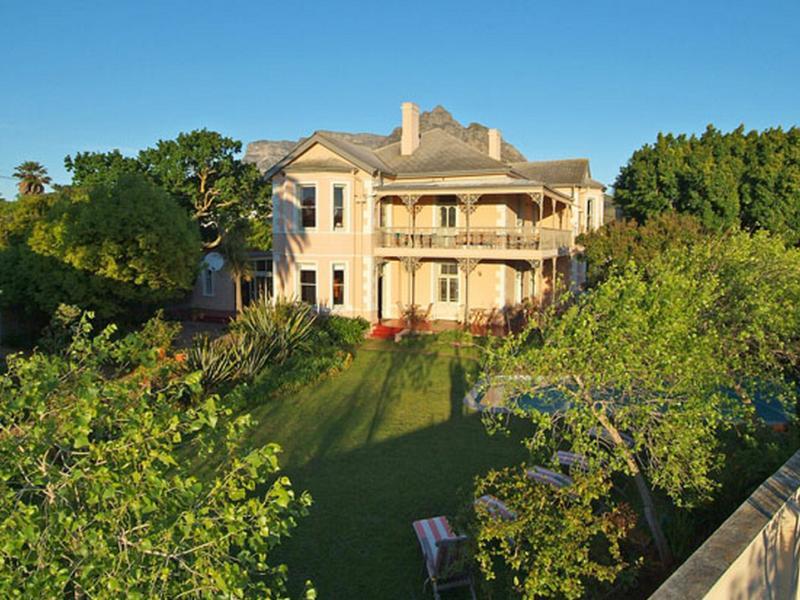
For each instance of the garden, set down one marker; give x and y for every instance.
(287, 456)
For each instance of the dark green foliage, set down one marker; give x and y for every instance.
(92, 168)
(201, 171)
(345, 332)
(129, 231)
(114, 248)
(148, 344)
(736, 179)
(97, 495)
(750, 459)
(264, 334)
(328, 350)
(653, 353)
(614, 245)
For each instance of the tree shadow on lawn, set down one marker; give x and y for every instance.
(386, 393)
(357, 541)
(378, 446)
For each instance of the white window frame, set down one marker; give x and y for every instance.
(345, 228)
(438, 275)
(299, 197)
(267, 274)
(299, 285)
(208, 283)
(346, 292)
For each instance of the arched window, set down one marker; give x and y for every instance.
(447, 213)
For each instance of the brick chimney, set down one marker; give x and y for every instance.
(409, 140)
(495, 143)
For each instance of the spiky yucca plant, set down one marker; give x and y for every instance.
(283, 326)
(264, 333)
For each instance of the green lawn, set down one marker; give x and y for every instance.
(382, 444)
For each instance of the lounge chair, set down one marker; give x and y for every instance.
(549, 477)
(445, 554)
(572, 460)
(495, 507)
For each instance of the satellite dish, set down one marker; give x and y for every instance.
(214, 261)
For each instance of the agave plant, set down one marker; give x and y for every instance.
(214, 358)
(278, 329)
(264, 333)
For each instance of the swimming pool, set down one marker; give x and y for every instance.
(496, 399)
(493, 398)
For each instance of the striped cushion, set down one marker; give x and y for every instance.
(429, 532)
(553, 478)
(495, 507)
(571, 459)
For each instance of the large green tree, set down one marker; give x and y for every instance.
(91, 168)
(98, 496)
(727, 180)
(202, 171)
(611, 247)
(645, 370)
(110, 247)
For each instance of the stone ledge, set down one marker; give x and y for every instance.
(748, 534)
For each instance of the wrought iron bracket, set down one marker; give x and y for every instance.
(468, 203)
(411, 263)
(467, 265)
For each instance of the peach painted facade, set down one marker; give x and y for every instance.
(427, 221)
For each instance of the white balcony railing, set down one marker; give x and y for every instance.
(501, 238)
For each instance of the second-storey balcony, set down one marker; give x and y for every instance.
(490, 238)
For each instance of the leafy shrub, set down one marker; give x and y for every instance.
(98, 496)
(148, 344)
(328, 351)
(263, 334)
(62, 328)
(344, 331)
(279, 329)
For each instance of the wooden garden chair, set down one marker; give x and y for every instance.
(445, 556)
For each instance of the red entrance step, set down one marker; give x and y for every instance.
(384, 332)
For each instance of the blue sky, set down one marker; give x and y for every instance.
(560, 79)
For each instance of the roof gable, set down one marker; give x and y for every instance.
(358, 156)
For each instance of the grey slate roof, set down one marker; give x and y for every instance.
(493, 182)
(439, 152)
(574, 171)
(361, 153)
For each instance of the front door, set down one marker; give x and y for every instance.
(447, 287)
(380, 296)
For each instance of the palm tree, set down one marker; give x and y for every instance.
(32, 178)
(237, 261)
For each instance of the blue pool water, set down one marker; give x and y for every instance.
(770, 410)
